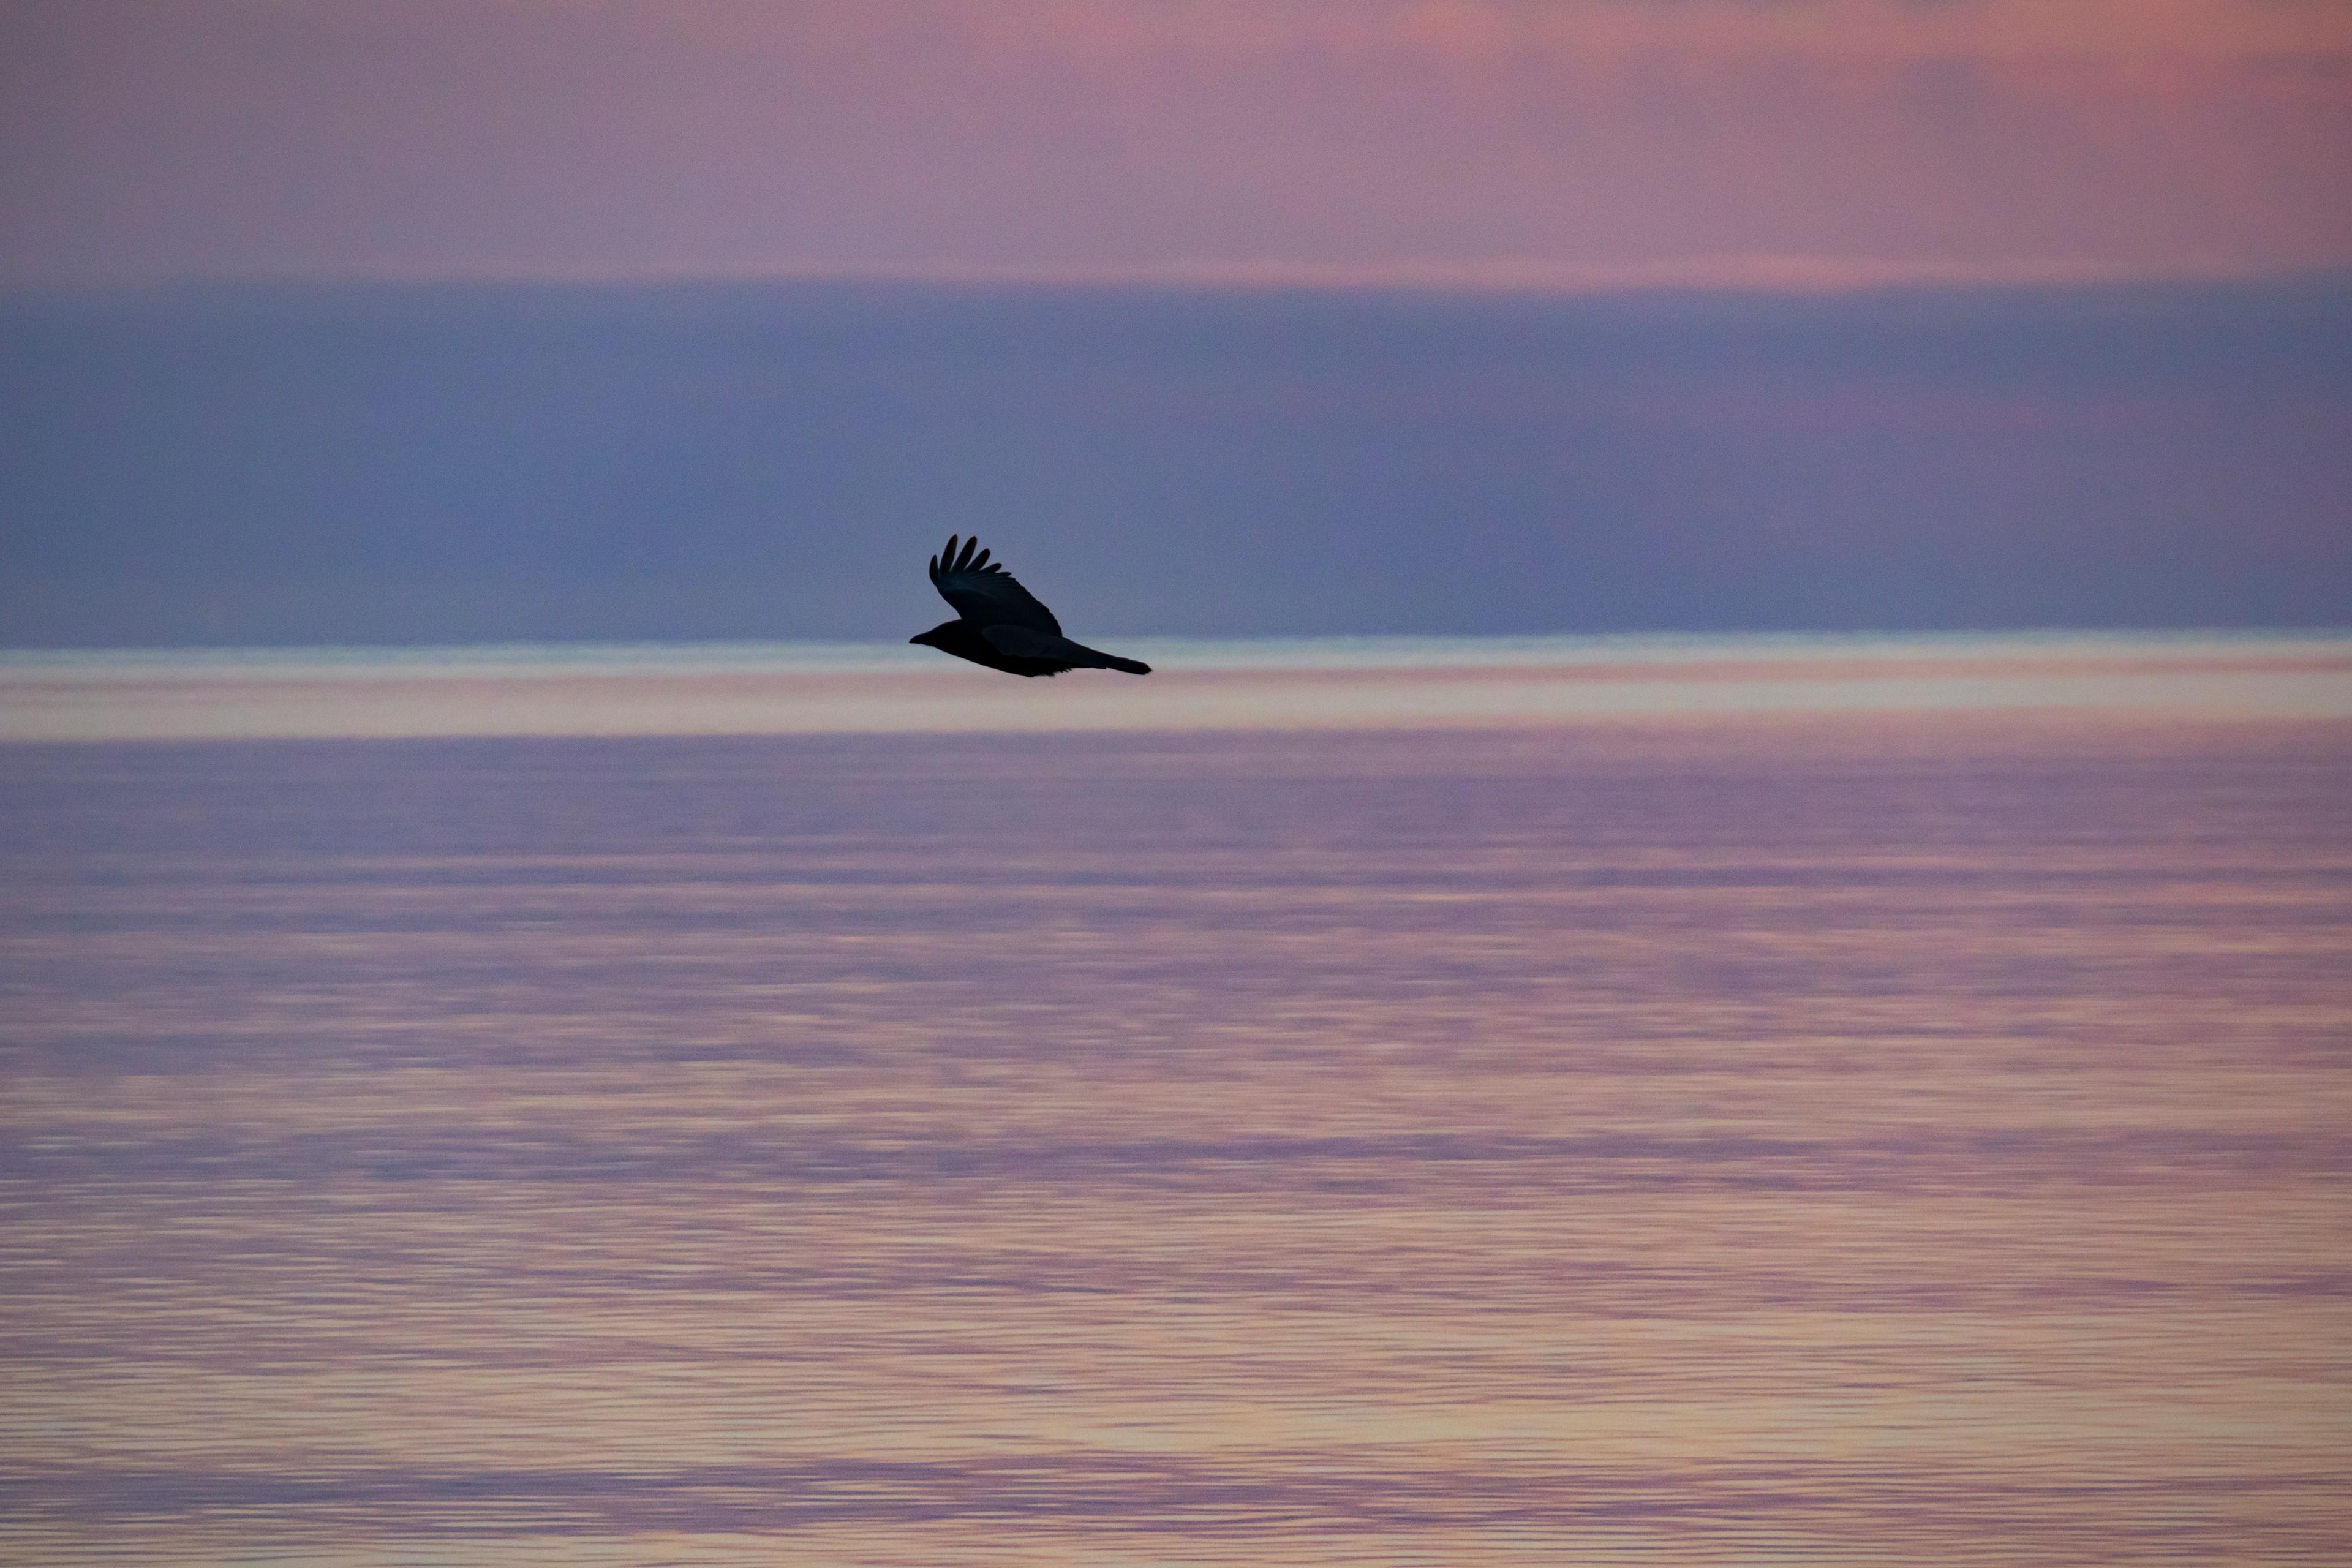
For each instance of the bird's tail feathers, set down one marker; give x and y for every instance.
(1096, 659)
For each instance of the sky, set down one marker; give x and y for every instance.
(411, 321)
(1546, 140)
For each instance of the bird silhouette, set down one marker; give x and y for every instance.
(1002, 625)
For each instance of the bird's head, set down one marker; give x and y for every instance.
(931, 638)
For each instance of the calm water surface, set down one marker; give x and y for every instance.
(1775, 1139)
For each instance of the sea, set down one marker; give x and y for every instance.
(1523, 1101)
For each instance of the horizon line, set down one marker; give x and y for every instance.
(560, 649)
(2159, 682)
(1761, 275)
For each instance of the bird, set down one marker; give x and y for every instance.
(1001, 623)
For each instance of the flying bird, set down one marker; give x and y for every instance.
(1002, 625)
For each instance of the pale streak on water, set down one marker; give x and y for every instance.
(1801, 1136)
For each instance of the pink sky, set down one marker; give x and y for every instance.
(1568, 142)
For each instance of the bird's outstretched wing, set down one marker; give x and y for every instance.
(987, 595)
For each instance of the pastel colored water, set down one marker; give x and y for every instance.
(1796, 1136)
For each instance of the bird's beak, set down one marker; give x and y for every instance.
(917, 637)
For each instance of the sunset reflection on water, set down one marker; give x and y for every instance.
(1751, 1138)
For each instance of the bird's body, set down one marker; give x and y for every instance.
(1001, 623)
